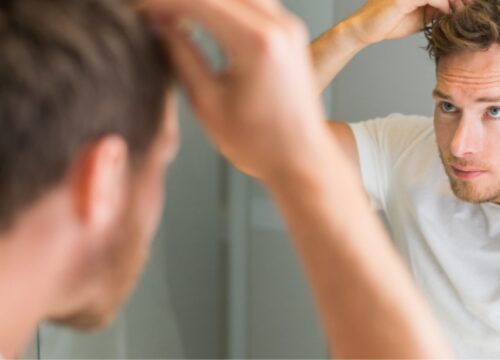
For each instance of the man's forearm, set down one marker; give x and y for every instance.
(367, 300)
(332, 51)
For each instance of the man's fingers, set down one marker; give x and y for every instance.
(456, 5)
(443, 5)
(267, 7)
(190, 66)
(431, 11)
(232, 23)
(459, 5)
(449, 6)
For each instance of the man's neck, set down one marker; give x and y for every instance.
(24, 299)
(33, 260)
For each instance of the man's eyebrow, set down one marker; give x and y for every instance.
(442, 95)
(488, 100)
(439, 94)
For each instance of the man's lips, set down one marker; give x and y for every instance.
(467, 173)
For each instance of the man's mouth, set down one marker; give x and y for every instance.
(465, 173)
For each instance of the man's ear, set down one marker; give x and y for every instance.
(99, 183)
(169, 137)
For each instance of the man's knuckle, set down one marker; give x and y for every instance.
(268, 40)
(296, 28)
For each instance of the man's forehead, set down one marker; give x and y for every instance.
(471, 68)
(476, 97)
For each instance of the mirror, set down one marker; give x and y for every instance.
(223, 280)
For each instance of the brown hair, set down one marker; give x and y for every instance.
(474, 28)
(71, 71)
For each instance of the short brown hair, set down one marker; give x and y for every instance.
(71, 71)
(474, 28)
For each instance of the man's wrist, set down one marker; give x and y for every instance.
(348, 35)
(293, 163)
(323, 190)
(318, 165)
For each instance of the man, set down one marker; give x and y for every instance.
(437, 180)
(88, 127)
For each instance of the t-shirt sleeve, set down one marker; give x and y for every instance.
(382, 143)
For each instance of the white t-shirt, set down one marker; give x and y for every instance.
(451, 247)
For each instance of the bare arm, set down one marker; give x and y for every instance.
(376, 21)
(367, 301)
(344, 137)
(263, 114)
(332, 51)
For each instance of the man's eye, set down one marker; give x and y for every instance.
(494, 112)
(447, 107)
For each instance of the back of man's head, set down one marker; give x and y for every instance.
(71, 71)
(475, 28)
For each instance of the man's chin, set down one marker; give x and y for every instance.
(86, 321)
(469, 192)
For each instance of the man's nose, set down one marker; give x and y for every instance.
(467, 138)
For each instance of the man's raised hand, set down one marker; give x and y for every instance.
(381, 20)
(262, 111)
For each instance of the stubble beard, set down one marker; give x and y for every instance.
(466, 190)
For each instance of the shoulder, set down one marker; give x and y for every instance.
(393, 135)
(385, 143)
(397, 126)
